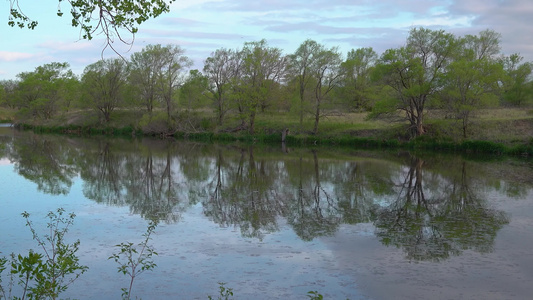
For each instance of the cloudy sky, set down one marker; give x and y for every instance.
(202, 26)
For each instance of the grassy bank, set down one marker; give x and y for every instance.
(497, 131)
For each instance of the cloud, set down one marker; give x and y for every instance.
(181, 22)
(511, 18)
(191, 34)
(203, 26)
(61, 46)
(15, 56)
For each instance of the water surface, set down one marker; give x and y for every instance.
(276, 223)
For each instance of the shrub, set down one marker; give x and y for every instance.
(155, 123)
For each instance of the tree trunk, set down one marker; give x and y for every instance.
(317, 116)
(252, 121)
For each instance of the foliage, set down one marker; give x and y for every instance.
(193, 92)
(357, 88)
(240, 88)
(518, 87)
(262, 67)
(155, 123)
(314, 295)
(473, 77)
(103, 84)
(134, 261)
(221, 69)
(8, 90)
(49, 273)
(415, 72)
(300, 70)
(224, 292)
(43, 92)
(99, 17)
(327, 73)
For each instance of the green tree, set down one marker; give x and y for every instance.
(103, 84)
(41, 93)
(193, 92)
(414, 73)
(144, 68)
(472, 79)
(262, 67)
(8, 89)
(356, 83)
(518, 83)
(71, 92)
(95, 17)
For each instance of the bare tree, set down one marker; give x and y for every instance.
(221, 68)
(300, 63)
(327, 73)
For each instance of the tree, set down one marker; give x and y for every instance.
(414, 72)
(356, 82)
(221, 68)
(517, 86)
(194, 89)
(40, 93)
(326, 72)
(300, 63)
(144, 68)
(472, 78)
(95, 17)
(103, 84)
(262, 66)
(8, 89)
(484, 46)
(172, 63)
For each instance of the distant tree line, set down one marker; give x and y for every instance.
(434, 69)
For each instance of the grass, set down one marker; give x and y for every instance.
(510, 127)
(7, 115)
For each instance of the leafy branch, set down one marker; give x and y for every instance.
(95, 17)
(134, 261)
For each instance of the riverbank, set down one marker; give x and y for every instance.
(497, 131)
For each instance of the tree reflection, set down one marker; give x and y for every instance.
(242, 194)
(150, 188)
(314, 212)
(146, 183)
(358, 186)
(430, 208)
(432, 223)
(46, 162)
(101, 175)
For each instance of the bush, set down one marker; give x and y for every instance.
(155, 123)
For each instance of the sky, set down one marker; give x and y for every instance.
(202, 26)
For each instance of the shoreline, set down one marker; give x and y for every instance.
(523, 148)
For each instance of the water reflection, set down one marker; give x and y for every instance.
(434, 217)
(431, 207)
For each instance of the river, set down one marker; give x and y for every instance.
(273, 222)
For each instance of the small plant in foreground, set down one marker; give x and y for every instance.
(133, 262)
(49, 274)
(3, 263)
(224, 292)
(314, 295)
